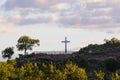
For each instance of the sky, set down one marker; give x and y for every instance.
(83, 22)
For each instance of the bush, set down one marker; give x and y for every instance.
(99, 75)
(112, 65)
(73, 72)
(115, 76)
(81, 61)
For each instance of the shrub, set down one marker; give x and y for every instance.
(112, 65)
(99, 75)
(81, 61)
(115, 76)
(73, 72)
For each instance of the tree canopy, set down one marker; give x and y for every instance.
(7, 52)
(26, 43)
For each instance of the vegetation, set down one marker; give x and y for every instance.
(8, 52)
(115, 76)
(86, 64)
(112, 65)
(110, 46)
(26, 43)
(30, 71)
(99, 75)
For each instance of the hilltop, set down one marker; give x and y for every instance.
(103, 58)
(93, 57)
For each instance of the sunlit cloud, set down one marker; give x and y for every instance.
(5, 30)
(60, 6)
(2, 20)
(87, 14)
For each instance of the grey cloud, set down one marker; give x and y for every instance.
(103, 15)
(84, 21)
(115, 11)
(91, 6)
(12, 4)
(115, 14)
(69, 21)
(33, 21)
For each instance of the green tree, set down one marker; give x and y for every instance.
(113, 41)
(73, 72)
(115, 76)
(99, 75)
(29, 71)
(26, 43)
(8, 52)
(51, 73)
(7, 70)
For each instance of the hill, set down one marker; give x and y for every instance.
(93, 62)
(93, 57)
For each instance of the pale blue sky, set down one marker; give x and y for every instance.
(50, 37)
(82, 21)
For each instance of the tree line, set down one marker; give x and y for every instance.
(30, 71)
(24, 43)
(110, 46)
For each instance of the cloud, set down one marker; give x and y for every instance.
(5, 30)
(33, 21)
(39, 20)
(12, 4)
(60, 6)
(84, 14)
(2, 20)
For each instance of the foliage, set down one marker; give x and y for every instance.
(113, 42)
(81, 61)
(26, 43)
(115, 76)
(29, 71)
(99, 75)
(73, 72)
(7, 70)
(51, 73)
(7, 52)
(50, 67)
(112, 65)
(110, 46)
